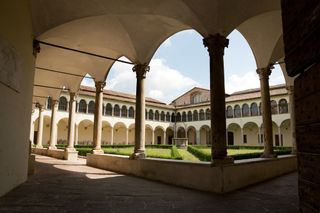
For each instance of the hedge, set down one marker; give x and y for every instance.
(198, 153)
(175, 153)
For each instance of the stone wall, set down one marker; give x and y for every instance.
(301, 26)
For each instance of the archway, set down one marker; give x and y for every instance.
(250, 134)
(120, 133)
(106, 135)
(234, 134)
(191, 133)
(205, 132)
(62, 133)
(286, 136)
(169, 135)
(149, 134)
(159, 135)
(85, 132)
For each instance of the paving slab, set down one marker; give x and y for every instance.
(62, 186)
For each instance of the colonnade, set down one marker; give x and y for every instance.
(215, 45)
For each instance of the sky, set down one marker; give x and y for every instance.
(182, 62)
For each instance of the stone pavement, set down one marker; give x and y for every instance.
(61, 186)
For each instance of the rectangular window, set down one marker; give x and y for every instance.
(244, 138)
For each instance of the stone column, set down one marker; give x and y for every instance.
(259, 136)
(198, 137)
(292, 118)
(152, 137)
(76, 134)
(139, 148)
(241, 135)
(97, 125)
(40, 127)
(71, 122)
(279, 133)
(266, 111)
(53, 127)
(127, 136)
(111, 136)
(215, 45)
(164, 137)
(31, 136)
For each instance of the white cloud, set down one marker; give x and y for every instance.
(89, 82)
(162, 82)
(247, 81)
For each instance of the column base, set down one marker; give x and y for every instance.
(52, 147)
(70, 155)
(39, 146)
(97, 152)
(138, 155)
(70, 149)
(222, 161)
(273, 155)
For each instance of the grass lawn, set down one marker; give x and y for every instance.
(207, 151)
(187, 155)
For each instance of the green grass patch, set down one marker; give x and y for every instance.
(187, 155)
(175, 153)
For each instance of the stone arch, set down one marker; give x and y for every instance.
(250, 134)
(131, 134)
(116, 110)
(108, 109)
(119, 133)
(245, 110)
(85, 132)
(286, 135)
(229, 112)
(189, 115)
(106, 132)
(192, 135)
(169, 135)
(124, 111)
(148, 133)
(205, 132)
(181, 132)
(195, 115)
(63, 104)
(234, 134)
(254, 111)
(91, 107)
(159, 135)
(184, 116)
(82, 107)
(62, 131)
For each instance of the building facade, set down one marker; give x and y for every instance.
(187, 117)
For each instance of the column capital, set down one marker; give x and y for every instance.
(100, 85)
(264, 72)
(40, 107)
(290, 89)
(141, 70)
(73, 96)
(216, 43)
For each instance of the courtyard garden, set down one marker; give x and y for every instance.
(191, 153)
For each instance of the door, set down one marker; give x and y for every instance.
(230, 138)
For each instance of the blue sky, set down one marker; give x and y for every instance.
(182, 62)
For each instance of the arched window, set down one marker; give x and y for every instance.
(131, 112)
(254, 109)
(168, 116)
(116, 110)
(195, 98)
(49, 103)
(195, 115)
(178, 117)
(108, 109)
(82, 106)
(151, 114)
(124, 112)
(283, 106)
(156, 115)
(201, 115)
(91, 107)
(163, 116)
(208, 114)
(274, 107)
(184, 116)
(237, 111)
(245, 110)
(229, 112)
(63, 103)
(189, 116)
(173, 117)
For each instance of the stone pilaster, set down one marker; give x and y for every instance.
(111, 136)
(266, 111)
(40, 127)
(97, 126)
(71, 122)
(139, 148)
(53, 127)
(292, 118)
(76, 134)
(164, 137)
(215, 45)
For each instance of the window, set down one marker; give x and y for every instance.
(108, 109)
(131, 112)
(260, 109)
(208, 114)
(178, 117)
(245, 110)
(156, 115)
(168, 116)
(63, 104)
(195, 98)
(283, 106)
(173, 117)
(124, 112)
(201, 115)
(254, 109)
(274, 107)
(184, 116)
(116, 110)
(195, 115)
(150, 114)
(229, 112)
(49, 103)
(82, 106)
(237, 111)
(91, 107)
(163, 116)
(189, 116)
(244, 138)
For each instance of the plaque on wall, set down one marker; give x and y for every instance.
(10, 66)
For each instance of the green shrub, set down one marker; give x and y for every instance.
(159, 146)
(83, 151)
(198, 153)
(175, 153)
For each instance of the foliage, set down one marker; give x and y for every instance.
(199, 153)
(175, 153)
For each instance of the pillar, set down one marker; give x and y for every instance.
(76, 134)
(241, 135)
(292, 118)
(164, 137)
(97, 126)
(279, 133)
(127, 136)
(198, 140)
(152, 137)
(139, 148)
(40, 127)
(215, 45)
(71, 123)
(266, 111)
(31, 136)
(259, 136)
(111, 136)
(53, 127)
